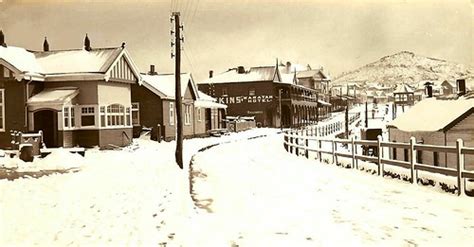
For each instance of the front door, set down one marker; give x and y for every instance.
(208, 119)
(47, 121)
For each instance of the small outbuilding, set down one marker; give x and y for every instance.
(435, 122)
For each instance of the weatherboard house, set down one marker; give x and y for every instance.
(154, 107)
(435, 122)
(77, 97)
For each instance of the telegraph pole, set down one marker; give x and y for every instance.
(178, 100)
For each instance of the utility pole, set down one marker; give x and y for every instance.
(346, 118)
(279, 106)
(366, 115)
(178, 100)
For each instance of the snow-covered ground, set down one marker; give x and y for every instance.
(263, 196)
(259, 195)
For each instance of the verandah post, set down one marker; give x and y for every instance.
(412, 160)
(307, 146)
(460, 166)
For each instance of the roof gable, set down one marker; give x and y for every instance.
(122, 71)
(164, 85)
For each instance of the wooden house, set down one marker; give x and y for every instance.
(77, 97)
(436, 122)
(154, 107)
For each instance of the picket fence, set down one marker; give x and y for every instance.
(301, 141)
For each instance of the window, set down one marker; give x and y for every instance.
(136, 113)
(394, 152)
(115, 115)
(171, 113)
(127, 116)
(73, 122)
(224, 91)
(435, 158)
(187, 114)
(405, 154)
(66, 117)
(87, 116)
(199, 114)
(102, 116)
(252, 91)
(2, 109)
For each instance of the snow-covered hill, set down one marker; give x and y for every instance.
(406, 67)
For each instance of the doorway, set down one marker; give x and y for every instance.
(47, 121)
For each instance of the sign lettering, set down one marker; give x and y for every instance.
(245, 99)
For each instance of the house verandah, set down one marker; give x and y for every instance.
(78, 97)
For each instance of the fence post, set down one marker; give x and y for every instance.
(460, 166)
(333, 151)
(297, 150)
(379, 155)
(353, 152)
(414, 179)
(291, 141)
(307, 146)
(319, 148)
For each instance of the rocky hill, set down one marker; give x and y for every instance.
(406, 67)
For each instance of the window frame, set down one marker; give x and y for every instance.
(198, 112)
(171, 113)
(88, 113)
(2, 105)
(187, 114)
(135, 108)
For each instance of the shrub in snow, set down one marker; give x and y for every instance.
(60, 159)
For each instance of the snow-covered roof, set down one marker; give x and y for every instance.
(432, 114)
(77, 61)
(163, 85)
(315, 73)
(21, 59)
(54, 95)
(76, 64)
(263, 73)
(403, 88)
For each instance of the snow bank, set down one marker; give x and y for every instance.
(59, 159)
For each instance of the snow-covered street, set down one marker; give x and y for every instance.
(258, 195)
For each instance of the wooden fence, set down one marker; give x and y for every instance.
(325, 129)
(302, 141)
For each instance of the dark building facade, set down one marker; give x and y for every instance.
(273, 98)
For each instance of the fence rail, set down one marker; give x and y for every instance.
(298, 141)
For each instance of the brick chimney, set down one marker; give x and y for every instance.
(2, 39)
(461, 84)
(211, 73)
(87, 43)
(241, 69)
(429, 89)
(45, 45)
(152, 70)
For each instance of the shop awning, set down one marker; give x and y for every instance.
(209, 104)
(53, 96)
(324, 103)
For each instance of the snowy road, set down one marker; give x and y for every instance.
(259, 196)
(262, 196)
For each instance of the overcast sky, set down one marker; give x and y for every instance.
(338, 35)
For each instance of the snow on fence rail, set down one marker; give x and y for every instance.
(332, 127)
(296, 141)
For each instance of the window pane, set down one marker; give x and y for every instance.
(87, 120)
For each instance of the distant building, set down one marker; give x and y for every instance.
(256, 92)
(435, 122)
(77, 97)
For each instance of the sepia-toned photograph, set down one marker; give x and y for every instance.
(236, 123)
